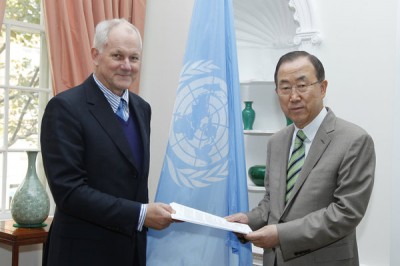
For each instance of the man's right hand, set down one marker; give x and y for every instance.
(158, 215)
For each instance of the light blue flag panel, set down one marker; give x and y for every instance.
(204, 164)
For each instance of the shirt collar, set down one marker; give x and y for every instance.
(311, 129)
(111, 97)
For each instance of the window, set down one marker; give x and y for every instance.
(24, 92)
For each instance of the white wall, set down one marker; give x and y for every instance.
(166, 28)
(359, 53)
(395, 199)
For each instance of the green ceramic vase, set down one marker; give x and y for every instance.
(257, 174)
(30, 205)
(248, 115)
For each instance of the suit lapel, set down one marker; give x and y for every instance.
(284, 154)
(103, 113)
(318, 147)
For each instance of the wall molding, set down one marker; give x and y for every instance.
(307, 33)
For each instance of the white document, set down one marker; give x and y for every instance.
(187, 214)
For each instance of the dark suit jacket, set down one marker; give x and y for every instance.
(91, 173)
(317, 226)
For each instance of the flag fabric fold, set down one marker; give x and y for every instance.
(204, 164)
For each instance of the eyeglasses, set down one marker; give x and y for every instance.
(299, 88)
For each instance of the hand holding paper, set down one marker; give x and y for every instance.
(187, 214)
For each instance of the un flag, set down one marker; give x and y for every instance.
(204, 164)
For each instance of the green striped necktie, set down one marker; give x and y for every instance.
(295, 163)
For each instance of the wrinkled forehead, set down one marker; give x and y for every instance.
(123, 39)
(123, 34)
(299, 69)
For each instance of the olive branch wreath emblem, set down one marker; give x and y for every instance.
(196, 177)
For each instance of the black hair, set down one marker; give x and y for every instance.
(291, 56)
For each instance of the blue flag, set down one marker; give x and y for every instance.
(204, 165)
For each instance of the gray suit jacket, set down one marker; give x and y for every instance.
(317, 226)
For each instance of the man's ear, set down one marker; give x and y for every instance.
(324, 85)
(95, 56)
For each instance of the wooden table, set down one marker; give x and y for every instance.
(17, 237)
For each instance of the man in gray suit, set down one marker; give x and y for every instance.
(310, 217)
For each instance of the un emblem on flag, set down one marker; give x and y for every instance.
(197, 153)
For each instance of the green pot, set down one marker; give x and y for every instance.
(257, 174)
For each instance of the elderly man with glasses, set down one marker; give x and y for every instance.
(319, 176)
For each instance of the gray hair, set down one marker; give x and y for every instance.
(103, 30)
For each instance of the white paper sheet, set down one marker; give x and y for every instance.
(187, 214)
